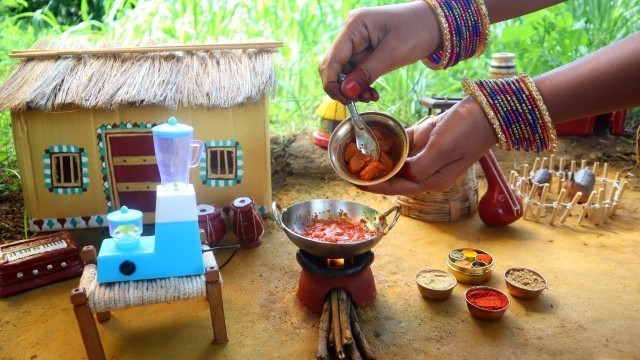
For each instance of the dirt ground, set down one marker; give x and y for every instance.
(586, 312)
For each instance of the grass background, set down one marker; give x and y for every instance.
(541, 41)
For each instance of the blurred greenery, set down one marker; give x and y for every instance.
(541, 41)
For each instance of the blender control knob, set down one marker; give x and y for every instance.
(127, 268)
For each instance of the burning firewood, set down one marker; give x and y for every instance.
(344, 304)
(339, 329)
(323, 332)
(359, 336)
(335, 319)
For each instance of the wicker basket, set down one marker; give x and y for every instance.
(457, 203)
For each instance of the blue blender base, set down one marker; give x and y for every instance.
(175, 250)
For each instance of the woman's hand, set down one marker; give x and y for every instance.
(375, 41)
(440, 150)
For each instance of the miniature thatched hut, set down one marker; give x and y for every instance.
(82, 119)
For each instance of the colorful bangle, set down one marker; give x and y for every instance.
(470, 88)
(516, 112)
(440, 58)
(542, 111)
(465, 31)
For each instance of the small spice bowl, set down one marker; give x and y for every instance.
(343, 134)
(458, 265)
(524, 283)
(486, 303)
(435, 284)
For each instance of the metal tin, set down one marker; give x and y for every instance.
(470, 275)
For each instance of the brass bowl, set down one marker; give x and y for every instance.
(519, 290)
(481, 313)
(342, 134)
(473, 276)
(428, 291)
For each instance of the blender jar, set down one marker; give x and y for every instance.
(173, 143)
(125, 226)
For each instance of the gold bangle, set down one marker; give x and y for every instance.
(542, 111)
(484, 14)
(470, 88)
(446, 38)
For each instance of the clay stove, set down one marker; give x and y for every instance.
(319, 275)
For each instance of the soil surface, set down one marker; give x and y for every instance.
(572, 319)
(298, 156)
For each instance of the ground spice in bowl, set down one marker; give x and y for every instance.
(436, 280)
(526, 279)
(488, 299)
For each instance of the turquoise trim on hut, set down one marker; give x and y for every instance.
(238, 167)
(84, 169)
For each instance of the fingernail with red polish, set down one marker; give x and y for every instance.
(352, 89)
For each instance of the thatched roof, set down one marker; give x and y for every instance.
(51, 75)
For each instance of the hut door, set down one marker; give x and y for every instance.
(133, 173)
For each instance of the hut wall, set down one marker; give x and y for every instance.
(35, 131)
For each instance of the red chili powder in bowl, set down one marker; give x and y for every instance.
(487, 299)
(485, 258)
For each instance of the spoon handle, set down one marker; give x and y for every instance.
(365, 140)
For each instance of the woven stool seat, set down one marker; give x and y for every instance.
(124, 294)
(91, 297)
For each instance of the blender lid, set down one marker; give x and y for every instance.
(172, 129)
(124, 215)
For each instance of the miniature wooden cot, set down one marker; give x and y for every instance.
(91, 297)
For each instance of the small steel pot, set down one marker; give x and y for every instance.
(343, 134)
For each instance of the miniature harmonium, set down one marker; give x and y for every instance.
(42, 260)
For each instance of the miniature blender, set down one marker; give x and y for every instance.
(175, 249)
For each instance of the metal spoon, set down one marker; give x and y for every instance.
(365, 140)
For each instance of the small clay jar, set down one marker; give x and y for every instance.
(210, 220)
(247, 222)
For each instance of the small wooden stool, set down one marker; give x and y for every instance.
(91, 297)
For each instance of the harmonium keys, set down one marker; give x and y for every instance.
(42, 260)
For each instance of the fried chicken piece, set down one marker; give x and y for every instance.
(385, 140)
(351, 150)
(357, 162)
(373, 169)
(386, 160)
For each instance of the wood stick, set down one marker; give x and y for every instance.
(359, 336)
(322, 353)
(601, 209)
(335, 320)
(543, 197)
(609, 201)
(570, 207)
(583, 164)
(573, 166)
(561, 171)
(344, 307)
(143, 49)
(354, 354)
(551, 158)
(619, 193)
(558, 202)
(585, 206)
(532, 192)
(525, 171)
(605, 170)
(331, 342)
(536, 162)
